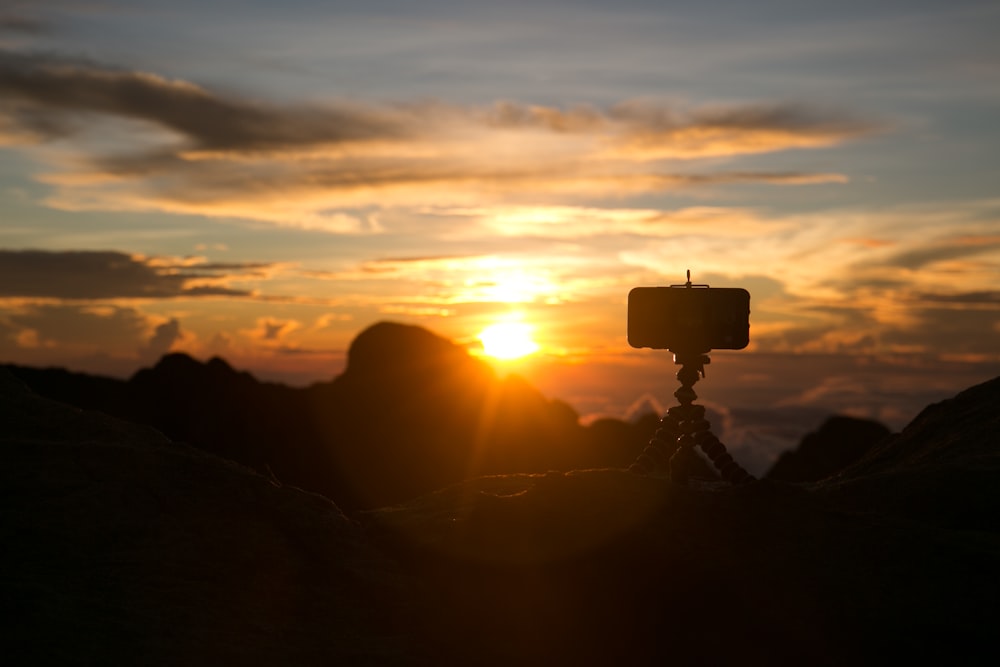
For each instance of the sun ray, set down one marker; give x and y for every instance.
(508, 340)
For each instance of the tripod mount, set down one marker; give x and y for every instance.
(683, 428)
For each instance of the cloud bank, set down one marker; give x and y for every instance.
(96, 275)
(132, 140)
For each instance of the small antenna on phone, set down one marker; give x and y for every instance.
(689, 283)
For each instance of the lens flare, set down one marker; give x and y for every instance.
(508, 340)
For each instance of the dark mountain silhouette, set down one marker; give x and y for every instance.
(411, 412)
(839, 442)
(123, 547)
(892, 560)
(418, 412)
(942, 468)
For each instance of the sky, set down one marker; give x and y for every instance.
(262, 181)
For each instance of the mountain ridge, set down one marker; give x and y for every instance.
(124, 546)
(411, 412)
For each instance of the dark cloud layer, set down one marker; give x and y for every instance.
(209, 121)
(109, 328)
(947, 249)
(642, 117)
(107, 275)
(213, 121)
(785, 118)
(952, 331)
(106, 339)
(21, 24)
(164, 336)
(985, 298)
(238, 157)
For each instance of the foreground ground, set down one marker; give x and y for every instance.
(123, 547)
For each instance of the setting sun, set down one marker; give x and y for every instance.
(508, 340)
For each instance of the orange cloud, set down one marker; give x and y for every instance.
(270, 329)
(651, 132)
(96, 275)
(869, 242)
(576, 222)
(212, 154)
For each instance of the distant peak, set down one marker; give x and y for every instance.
(220, 364)
(392, 344)
(176, 360)
(180, 365)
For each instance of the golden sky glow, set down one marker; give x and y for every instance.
(508, 340)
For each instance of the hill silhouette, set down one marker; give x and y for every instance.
(891, 560)
(410, 413)
(122, 546)
(942, 468)
(839, 442)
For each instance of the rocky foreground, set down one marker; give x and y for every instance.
(122, 547)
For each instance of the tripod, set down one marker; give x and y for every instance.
(683, 428)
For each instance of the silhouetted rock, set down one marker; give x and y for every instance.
(960, 431)
(121, 547)
(391, 349)
(600, 567)
(412, 412)
(838, 443)
(87, 392)
(615, 443)
(943, 468)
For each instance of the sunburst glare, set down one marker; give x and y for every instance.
(508, 340)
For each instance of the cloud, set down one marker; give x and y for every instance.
(954, 247)
(474, 279)
(214, 124)
(987, 299)
(74, 327)
(878, 282)
(21, 24)
(885, 321)
(205, 120)
(163, 338)
(952, 331)
(8, 336)
(822, 283)
(576, 222)
(105, 339)
(109, 274)
(651, 132)
(191, 150)
(269, 329)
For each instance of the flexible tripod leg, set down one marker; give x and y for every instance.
(660, 449)
(683, 428)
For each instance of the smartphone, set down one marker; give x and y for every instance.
(689, 319)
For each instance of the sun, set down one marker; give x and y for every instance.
(508, 340)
